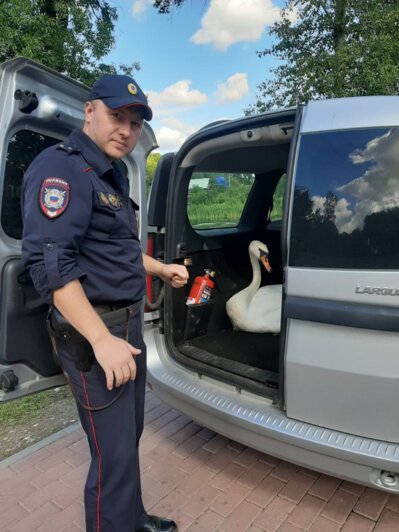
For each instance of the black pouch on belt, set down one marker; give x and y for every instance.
(78, 347)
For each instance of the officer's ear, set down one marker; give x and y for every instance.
(88, 111)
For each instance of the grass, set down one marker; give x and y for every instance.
(23, 409)
(30, 419)
(217, 207)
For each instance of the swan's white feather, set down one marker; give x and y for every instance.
(256, 309)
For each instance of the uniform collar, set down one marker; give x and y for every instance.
(91, 152)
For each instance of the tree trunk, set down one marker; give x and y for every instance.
(339, 24)
(49, 9)
(339, 43)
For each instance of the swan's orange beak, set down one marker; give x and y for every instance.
(265, 261)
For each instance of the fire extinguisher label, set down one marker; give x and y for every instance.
(206, 294)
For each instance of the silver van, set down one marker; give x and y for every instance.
(319, 186)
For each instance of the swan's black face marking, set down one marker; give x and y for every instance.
(263, 253)
(264, 258)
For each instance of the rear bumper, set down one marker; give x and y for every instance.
(255, 422)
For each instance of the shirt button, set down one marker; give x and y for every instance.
(50, 246)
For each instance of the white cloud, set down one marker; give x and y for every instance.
(139, 7)
(230, 21)
(376, 190)
(233, 89)
(318, 204)
(344, 220)
(177, 95)
(172, 133)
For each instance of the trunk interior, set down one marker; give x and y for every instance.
(201, 336)
(203, 333)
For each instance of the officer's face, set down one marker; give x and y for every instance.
(115, 131)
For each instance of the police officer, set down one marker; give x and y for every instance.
(80, 243)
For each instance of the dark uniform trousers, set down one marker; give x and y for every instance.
(113, 426)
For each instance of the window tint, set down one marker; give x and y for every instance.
(346, 200)
(216, 200)
(22, 149)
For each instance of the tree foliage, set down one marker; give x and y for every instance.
(165, 6)
(152, 161)
(332, 48)
(70, 36)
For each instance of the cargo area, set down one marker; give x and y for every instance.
(226, 191)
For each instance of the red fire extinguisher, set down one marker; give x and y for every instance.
(201, 289)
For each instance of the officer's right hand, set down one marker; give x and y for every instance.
(115, 356)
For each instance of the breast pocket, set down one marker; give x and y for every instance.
(103, 217)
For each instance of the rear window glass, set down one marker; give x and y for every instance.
(216, 200)
(346, 200)
(277, 210)
(22, 149)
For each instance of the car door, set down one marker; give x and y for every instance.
(38, 108)
(342, 284)
(156, 218)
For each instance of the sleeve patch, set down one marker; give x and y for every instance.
(54, 196)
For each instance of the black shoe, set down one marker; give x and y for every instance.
(158, 524)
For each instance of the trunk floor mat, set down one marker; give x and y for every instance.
(251, 355)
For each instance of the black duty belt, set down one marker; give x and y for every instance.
(116, 316)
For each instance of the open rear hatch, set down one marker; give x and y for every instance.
(226, 189)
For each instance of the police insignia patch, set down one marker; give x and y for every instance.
(54, 196)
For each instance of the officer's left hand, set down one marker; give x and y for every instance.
(175, 274)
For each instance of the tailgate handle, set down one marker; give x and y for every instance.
(181, 250)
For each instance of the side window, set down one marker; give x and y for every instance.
(22, 149)
(277, 211)
(346, 200)
(216, 200)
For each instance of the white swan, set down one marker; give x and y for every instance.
(257, 309)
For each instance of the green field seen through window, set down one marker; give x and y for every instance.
(217, 200)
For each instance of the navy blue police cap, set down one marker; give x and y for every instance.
(120, 91)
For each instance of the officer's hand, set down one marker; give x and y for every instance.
(175, 274)
(115, 356)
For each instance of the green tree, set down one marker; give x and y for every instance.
(70, 36)
(152, 161)
(332, 48)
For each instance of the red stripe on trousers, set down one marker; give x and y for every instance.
(97, 450)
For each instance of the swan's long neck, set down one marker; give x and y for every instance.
(256, 276)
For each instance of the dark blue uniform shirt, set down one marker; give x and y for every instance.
(79, 223)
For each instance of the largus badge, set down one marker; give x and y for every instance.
(54, 196)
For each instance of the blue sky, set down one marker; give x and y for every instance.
(198, 64)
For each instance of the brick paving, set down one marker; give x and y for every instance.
(203, 480)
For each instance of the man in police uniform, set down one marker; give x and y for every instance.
(81, 246)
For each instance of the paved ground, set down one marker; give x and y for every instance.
(205, 481)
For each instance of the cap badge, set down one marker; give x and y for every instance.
(132, 89)
(54, 196)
